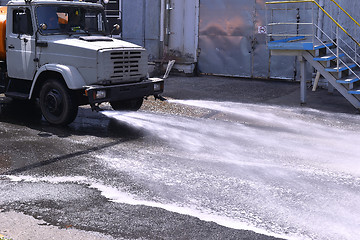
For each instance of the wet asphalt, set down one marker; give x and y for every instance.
(76, 175)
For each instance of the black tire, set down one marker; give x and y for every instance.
(58, 105)
(127, 105)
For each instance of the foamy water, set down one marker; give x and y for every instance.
(285, 171)
(122, 196)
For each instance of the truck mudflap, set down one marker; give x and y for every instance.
(98, 94)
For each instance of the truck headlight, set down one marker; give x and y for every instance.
(157, 87)
(100, 94)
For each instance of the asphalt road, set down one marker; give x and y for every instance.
(223, 159)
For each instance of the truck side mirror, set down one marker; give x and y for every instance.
(116, 27)
(43, 26)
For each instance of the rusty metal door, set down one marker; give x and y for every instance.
(232, 41)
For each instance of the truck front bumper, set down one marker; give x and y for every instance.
(98, 94)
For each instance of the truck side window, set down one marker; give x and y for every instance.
(22, 22)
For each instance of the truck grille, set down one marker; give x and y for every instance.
(122, 66)
(126, 64)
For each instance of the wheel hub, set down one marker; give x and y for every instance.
(53, 101)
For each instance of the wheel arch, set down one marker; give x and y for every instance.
(42, 78)
(68, 75)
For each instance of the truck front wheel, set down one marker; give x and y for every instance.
(57, 104)
(129, 105)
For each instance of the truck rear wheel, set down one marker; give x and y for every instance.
(127, 105)
(57, 104)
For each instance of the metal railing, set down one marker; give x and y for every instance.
(324, 11)
(283, 24)
(319, 34)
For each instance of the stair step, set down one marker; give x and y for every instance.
(328, 57)
(292, 39)
(320, 46)
(342, 67)
(349, 79)
(354, 91)
(292, 43)
(17, 95)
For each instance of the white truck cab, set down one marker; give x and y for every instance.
(62, 53)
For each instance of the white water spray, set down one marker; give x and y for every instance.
(278, 169)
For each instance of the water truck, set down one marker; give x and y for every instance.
(61, 55)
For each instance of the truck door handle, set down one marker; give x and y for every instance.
(11, 46)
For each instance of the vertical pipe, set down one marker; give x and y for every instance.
(298, 21)
(197, 22)
(286, 18)
(302, 80)
(167, 22)
(144, 23)
(337, 41)
(356, 46)
(320, 21)
(162, 21)
(337, 48)
(312, 22)
(331, 23)
(120, 9)
(162, 29)
(253, 40)
(120, 18)
(271, 27)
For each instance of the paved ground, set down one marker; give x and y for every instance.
(238, 159)
(255, 91)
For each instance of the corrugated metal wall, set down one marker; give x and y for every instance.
(352, 7)
(223, 36)
(141, 24)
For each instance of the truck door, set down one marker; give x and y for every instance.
(20, 44)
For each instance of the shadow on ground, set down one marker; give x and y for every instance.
(28, 114)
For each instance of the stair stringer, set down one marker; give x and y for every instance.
(332, 80)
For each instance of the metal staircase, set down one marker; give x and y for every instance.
(311, 30)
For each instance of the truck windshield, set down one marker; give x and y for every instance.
(67, 19)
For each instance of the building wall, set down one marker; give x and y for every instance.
(221, 36)
(182, 32)
(141, 24)
(352, 8)
(232, 41)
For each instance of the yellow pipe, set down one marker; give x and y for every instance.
(296, 1)
(322, 9)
